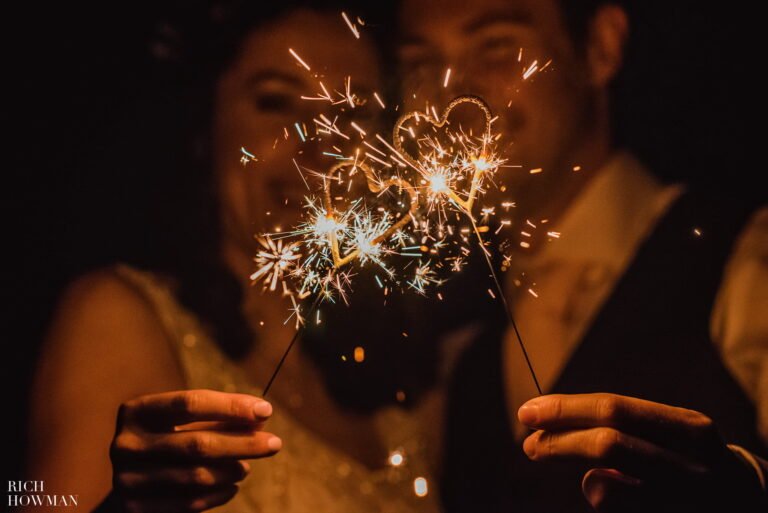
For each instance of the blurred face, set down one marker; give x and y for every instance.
(258, 102)
(544, 118)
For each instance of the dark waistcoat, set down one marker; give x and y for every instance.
(650, 340)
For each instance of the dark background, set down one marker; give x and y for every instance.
(79, 74)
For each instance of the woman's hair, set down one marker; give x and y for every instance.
(578, 15)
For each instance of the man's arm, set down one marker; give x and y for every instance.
(740, 325)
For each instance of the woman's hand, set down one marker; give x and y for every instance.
(640, 455)
(183, 451)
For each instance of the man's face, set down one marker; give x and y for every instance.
(489, 45)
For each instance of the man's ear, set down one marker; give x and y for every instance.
(608, 34)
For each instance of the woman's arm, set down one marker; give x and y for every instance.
(105, 346)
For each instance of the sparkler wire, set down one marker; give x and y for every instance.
(287, 351)
(505, 303)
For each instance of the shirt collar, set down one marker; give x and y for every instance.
(608, 220)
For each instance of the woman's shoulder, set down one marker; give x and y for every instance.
(110, 296)
(100, 293)
(104, 346)
(110, 283)
(120, 289)
(103, 317)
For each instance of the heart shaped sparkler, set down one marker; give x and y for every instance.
(357, 234)
(474, 166)
(377, 186)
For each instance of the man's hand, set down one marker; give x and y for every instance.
(640, 455)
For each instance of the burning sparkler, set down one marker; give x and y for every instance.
(471, 163)
(453, 175)
(407, 223)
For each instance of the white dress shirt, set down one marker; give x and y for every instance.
(557, 292)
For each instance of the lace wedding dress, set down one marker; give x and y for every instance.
(308, 475)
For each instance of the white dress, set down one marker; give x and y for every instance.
(308, 475)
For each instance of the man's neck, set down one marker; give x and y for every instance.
(571, 176)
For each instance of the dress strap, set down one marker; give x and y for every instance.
(201, 361)
(179, 326)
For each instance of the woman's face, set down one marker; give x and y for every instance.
(258, 102)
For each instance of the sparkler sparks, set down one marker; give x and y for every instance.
(274, 261)
(423, 277)
(299, 59)
(533, 68)
(246, 156)
(352, 27)
(415, 215)
(392, 223)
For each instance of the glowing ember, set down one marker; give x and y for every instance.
(396, 458)
(420, 487)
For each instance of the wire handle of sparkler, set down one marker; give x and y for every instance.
(287, 351)
(504, 302)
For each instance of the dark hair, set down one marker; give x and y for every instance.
(578, 15)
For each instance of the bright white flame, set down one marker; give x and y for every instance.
(482, 164)
(367, 247)
(326, 225)
(438, 183)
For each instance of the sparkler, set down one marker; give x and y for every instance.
(334, 240)
(453, 175)
(367, 242)
(406, 231)
(474, 162)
